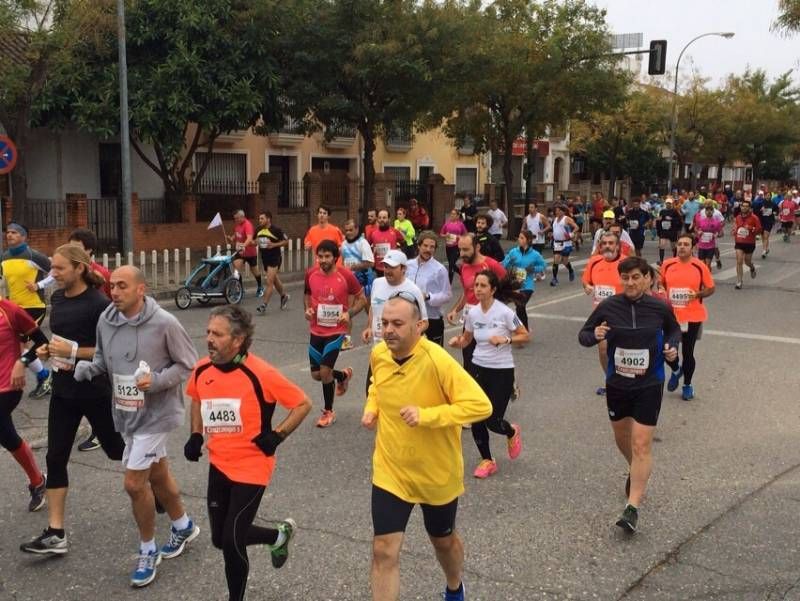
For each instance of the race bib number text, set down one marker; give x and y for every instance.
(630, 363)
(127, 396)
(221, 416)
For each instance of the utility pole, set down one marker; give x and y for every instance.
(124, 135)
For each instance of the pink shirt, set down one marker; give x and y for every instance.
(707, 229)
(451, 230)
(241, 232)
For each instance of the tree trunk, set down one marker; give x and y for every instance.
(720, 164)
(612, 180)
(508, 177)
(369, 170)
(530, 156)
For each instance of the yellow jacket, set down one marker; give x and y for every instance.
(422, 464)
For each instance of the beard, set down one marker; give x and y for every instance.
(383, 227)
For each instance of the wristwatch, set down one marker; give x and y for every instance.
(24, 360)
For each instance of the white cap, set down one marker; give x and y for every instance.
(394, 258)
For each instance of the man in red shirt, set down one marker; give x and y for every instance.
(746, 227)
(332, 297)
(472, 263)
(786, 215)
(244, 239)
(418, 216)
(383, 239)
(372, 223)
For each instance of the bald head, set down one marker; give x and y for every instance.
(130, 273)
(128, 288)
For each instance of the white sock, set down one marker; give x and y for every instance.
(36, 366)
(147, 546)
(182, 523)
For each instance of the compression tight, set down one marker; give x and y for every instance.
(498, 384)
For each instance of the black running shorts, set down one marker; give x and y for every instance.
(390, 514)
(642, 404)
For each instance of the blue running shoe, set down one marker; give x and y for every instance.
(145, 569)
(457, 596)
(688, 392)
(178, 539)
(571, 276)
(674, 380)
(600, 391)
(259, 292)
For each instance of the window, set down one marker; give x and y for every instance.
(399, 173)
(226, 172)
(466, 180)
(110, 170)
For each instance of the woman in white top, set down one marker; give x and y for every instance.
(494, 327)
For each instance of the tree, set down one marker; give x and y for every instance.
(540, 63)
(788, 21)
(367, 64)
(196, 69)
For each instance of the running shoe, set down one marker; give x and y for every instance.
(554, 282)
(261, 309)
(280, 553)
(675, 379)
(753, 271)
(46, 543)
(145, 572)
(341, 387)
(38, 498)
(178, 539)
(600, 391)
(456, 596)
(738, 285)
(629, 518)
(43, 386)
(571, 276)
(719, 264)
(515, 442)
(764, 255)
(284, 301)
(628, 486)
(259, 291)
(688, 392)
(485, 468)
(327, 419)
(347, 343)
(90, 444)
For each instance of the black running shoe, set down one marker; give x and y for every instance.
(629, 518)
(46, 544)
(38, 498)
(90, 444)
(284, 301)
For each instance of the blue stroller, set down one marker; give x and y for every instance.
(214, 277)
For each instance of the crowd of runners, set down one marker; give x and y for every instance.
(115, 357)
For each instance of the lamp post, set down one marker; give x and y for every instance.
(124, 136)
(674, 121)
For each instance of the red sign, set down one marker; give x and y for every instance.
(542, 147)
(8, 155)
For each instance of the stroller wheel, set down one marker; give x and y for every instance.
(183, 298)
(233, 291)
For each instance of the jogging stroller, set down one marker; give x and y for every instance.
(214, 277)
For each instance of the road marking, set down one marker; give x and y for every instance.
(722, 333)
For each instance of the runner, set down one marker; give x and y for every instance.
(372, 223)
(641, 332)
(766, 209)
(489, 244)
(472, 262)
(75, 310)
(598, 207)
(323, 230)
(524, 263)
(148, 355)
(16, 325)
(468, 213)
(499, 220)
(430, 276)
(383, 239)
(21, 265)
(686, 282)
(609, 221)
(244, 241)
(418, 215)
(270, 239)
(332, 297)
(494, 328)
(430, 469)
(241, 440)
(450, 231)
(788, 207)
(746, 227)
(358, 258)
(668, 224)
(538, 225)
(563, 227)
(707, 227)
(689, 209)
(405, 227)
(638, 223)
(601, 281)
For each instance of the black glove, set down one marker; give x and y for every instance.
(268, 442)
(193, 449)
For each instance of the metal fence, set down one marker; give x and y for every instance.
(225, 187)
(105, 219)
(209, 205)
(292, 195)
(44, 213)
(333, 194)
(405, 190)
(160, 210)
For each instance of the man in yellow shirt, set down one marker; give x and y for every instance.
(417, 458)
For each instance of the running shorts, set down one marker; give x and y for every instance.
(642, 404)
(705, 253)
(748, 249)
(390, 514)
(324, 350)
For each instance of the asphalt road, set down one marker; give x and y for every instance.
(719, 520)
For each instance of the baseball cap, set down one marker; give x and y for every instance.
(609, 215)
(394, 258)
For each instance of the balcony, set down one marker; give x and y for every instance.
(232, 137)
(291, 134)
(399, 140)
(467, 147)
(343, 136)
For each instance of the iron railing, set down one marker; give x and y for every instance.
(44, 213)
(292, 195)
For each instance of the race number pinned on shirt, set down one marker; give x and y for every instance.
(382, 249)
(785, 212)
(766, 212)
(127, 396)
(558, 245)
(630, 363)
(263, 242)
(706, 237)
(451, 239)
(633, 224)
(240, 246)
(603, 292)
(680, 297)
(743, 232)
(221, 416)
(328, 315)
(666, 224)
(519, 274)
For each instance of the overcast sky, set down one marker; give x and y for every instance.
(678, 21)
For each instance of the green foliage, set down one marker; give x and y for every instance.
(788, 21)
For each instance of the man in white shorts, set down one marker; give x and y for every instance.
(148, 355)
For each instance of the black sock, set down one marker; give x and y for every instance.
(661, 255)
(458, 590)
(338, 375)
(555, 270)
(57, 531)
(327, 395)
(258, 280)
(569, 268)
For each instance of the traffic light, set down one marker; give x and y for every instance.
(658, 57)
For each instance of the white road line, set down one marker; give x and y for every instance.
(741, 335)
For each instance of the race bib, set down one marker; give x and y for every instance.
(766, 212)
(633, 224)
(221, 416)
(351, 262)
(558, 246)
(785, 212)
(328, 315)
(127, 396)
(381, 249)
(240, 246)
(263, 242)
(630, 363)
(742, 232)
(451, 239)
(680, 297)
(706, 236)
(665, 225)
(519, 274)
(603, 292)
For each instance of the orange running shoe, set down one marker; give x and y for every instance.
(341, 387)
(485, 468)
(515, 443)
(327, 419)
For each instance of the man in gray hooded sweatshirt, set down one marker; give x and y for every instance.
(148, 355)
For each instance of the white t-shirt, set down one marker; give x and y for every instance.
(498, 221)
(356, 252)
(533, 223)
(499, 320)
(381, 292)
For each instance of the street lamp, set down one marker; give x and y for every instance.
(674, 122)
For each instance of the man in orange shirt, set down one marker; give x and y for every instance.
(322, 231)
(686, 281)
(233, 397)
(601, 280)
